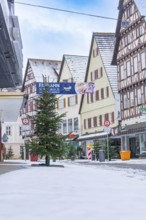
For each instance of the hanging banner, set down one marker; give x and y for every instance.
(66, 88)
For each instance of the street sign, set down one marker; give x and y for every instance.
(106, 123)
(25, 121)
(107, 130)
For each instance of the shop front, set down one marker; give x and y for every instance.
(133, 139)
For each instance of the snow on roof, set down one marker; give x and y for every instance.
(105, 43)
(141, 5)
(47, 68)
(77, 65)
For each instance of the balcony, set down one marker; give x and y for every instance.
(10, 48)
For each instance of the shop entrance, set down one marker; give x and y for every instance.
(134, 146)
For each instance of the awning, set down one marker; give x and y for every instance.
(92, 136)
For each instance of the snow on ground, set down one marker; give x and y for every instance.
(76, 192)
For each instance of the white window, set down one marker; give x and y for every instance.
(129, 11)
(122, 72)
(60, 128)
(20, 131)
(143, 63)
(135, 63)
(139, 101)
(139, 31)
(110, 117)
(76, 124)
(98, 120)
(72, 100)
(127, 39)
(64, 126)
(61, 103)
(34, 88)
(125, 101)
(131, 98)
(69, 125)
(8, 130)
(128, 68)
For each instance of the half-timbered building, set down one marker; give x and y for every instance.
(130, 58)
(36, 71)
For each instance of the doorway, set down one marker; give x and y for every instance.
(134, 146)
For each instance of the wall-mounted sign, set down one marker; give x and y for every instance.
(66, 88)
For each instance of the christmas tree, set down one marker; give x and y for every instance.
(47, 141)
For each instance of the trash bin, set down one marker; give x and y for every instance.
(101, 155)
(93, 156)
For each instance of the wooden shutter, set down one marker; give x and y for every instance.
(101, 72)
(64, 103)
(89, 122)
(30, 89)
(84, 123)
(27, 108)
(97, 95)
(113, 118)
(31, 106)
(87, 98)
(102, 93)
(76, 99)
(68, 101)
(96, 74)
(107, 91)
(91, 97)
(91, 77)
(95, 121)
(100, 120)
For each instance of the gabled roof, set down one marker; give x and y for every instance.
(105, 43)
(141, 5)
(77, 65)
(41, 67)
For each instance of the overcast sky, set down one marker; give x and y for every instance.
(48, 34)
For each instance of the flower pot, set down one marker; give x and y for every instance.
(125, 155)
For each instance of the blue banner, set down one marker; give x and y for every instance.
(66, 88)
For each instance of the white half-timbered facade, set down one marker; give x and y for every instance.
(130, 58)
(36, 70)
(73, 69)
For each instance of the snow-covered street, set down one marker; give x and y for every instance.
(74, 192)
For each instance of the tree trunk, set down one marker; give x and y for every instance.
(47, 160)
